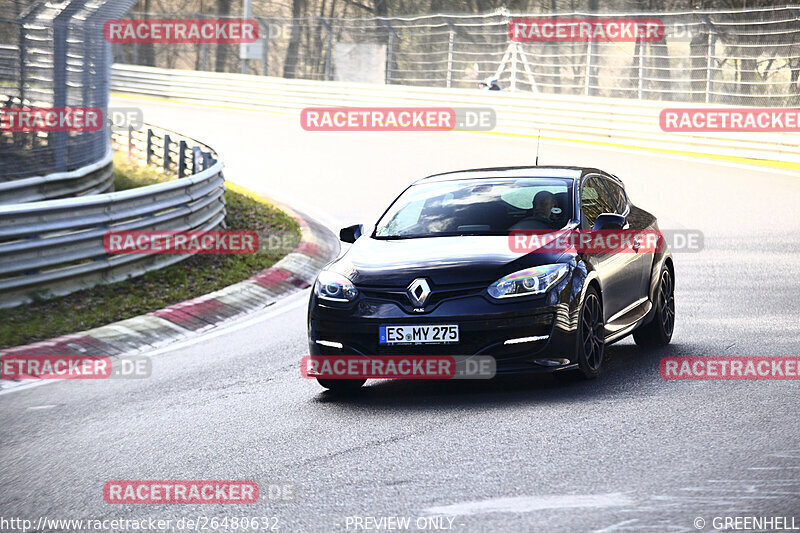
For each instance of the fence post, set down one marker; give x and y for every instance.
(640, 45)
(267, 37)
(451, 41)
(166, 152)
(23, 60)
(247, 13)
(712, 40)
(589, 67)
(514, 54)
(389, 51)
(328, 46)
(266, 51)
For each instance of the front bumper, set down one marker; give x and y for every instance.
(541, 330)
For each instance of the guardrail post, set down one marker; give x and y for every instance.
(149, 147)
(181, 159)
(130, 141)
(166, 152)
(197, 159)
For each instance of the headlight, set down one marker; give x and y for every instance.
(335, 287)
(537, 280)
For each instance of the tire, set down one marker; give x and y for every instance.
(591, 335)
(342, 385)
(658, 332)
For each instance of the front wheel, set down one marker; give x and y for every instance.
(659, 331)
(591, 335)
(341, 385)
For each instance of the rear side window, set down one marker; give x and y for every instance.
(595, 200)
(617, 196)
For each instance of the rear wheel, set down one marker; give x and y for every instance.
(342, 385)
(591, 335)
(659, 331)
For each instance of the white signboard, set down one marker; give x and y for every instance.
(360, 62)
(254, 50)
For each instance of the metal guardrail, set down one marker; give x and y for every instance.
(55, 247)
(92, 179)
(633, 123)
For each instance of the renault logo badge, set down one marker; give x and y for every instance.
(418, 292)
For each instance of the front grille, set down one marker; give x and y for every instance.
(437, 296)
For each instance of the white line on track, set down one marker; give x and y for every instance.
(526, 504)
(615, 527)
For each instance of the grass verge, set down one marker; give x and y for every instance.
(195, 276)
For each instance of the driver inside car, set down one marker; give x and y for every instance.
(540, 218)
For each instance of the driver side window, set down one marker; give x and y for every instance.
(594, 201)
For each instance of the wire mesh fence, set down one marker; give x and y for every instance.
(53, 55)
(737, 57)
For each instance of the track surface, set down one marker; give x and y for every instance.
(626, 452)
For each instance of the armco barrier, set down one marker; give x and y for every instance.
(55, 247)
(632, 123)
(91, 179)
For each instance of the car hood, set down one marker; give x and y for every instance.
(443, 260)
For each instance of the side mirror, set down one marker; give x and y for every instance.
(350, 233)
(609, 221)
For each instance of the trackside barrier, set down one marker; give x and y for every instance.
(91, 179)
(632, 123)
(55, 247)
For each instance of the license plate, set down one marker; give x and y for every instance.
(427, 334)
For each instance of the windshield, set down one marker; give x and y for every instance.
(478, 207)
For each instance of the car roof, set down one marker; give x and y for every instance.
(514, 172)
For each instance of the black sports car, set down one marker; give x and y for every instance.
(439, 261)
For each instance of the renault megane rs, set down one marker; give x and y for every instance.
(437, 275)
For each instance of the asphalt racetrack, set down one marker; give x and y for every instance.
(626, 452)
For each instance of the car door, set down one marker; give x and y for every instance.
(619, 273)
(643, 259)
